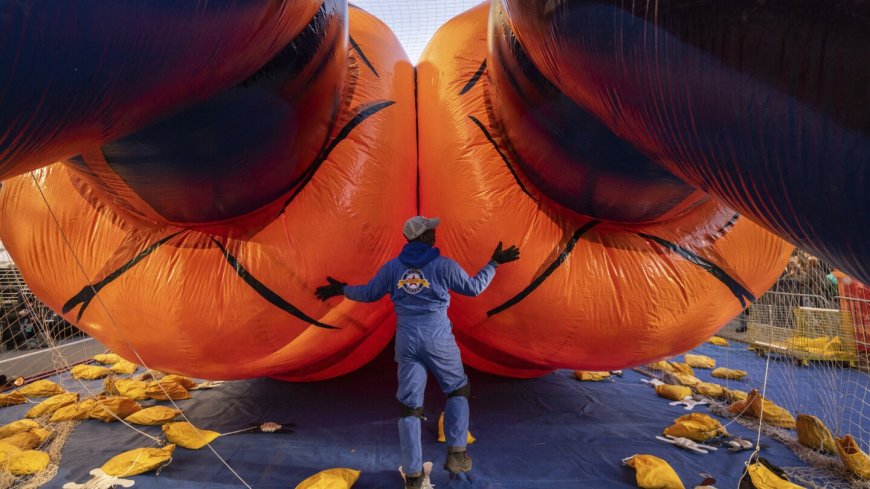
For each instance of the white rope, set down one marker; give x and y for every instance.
(123, 336)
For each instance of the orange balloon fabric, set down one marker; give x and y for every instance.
(587, 294)
(205, 305)
(191, 239)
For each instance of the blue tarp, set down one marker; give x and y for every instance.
(551, 432)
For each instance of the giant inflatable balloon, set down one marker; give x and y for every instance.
(622, 262)
(216, 162)
(765, 105)
(194, 243)
(79, 74)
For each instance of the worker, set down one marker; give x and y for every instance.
(419, 281)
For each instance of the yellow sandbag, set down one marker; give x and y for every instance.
(590, 376)
(735, 395)
(654, 473)
(163, 391)
(696, 427)
(131, 389)
(682, 368)
(124, 367)
(764, 478)
(7, 451)
(28, 462)
(109, 388)
(661, 366)
(823, 352)
(443, 439)
(835, 345)
(17, 427)
(42, 433)
(700, 361)
(150, 375)
(120, 406)
(741, 406)
(25, 440)
(89, 372)
(727, 373)
(79, 411)
(41, 388)
(107, 358)
(776, 415)
(855, 460)
(718, 341)
(12, 399)
(678, 378)
(710, 389)
(686, 379)
(822, 345)
(138, 461)
(754, 404)
(153, 416)
(331, 479)
(52, 404)
(186, 435)
(181, 380)
(673, 392)
(813, 433)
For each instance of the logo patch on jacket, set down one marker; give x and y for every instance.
(413, 281)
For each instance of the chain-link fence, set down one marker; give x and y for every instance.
(25, 322)
(36, 342)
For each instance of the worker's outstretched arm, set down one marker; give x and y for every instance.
(377, 287)
(461, 283)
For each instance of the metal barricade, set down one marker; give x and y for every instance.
(793, 325)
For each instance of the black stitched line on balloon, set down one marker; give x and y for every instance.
(300, 50)
(503, 157)
(569, 246)
(362, 115)
(728, 225)
(362, 55)
(87, 294)
(417, 136)
(265, 292)
(474, 78)
(738, 290)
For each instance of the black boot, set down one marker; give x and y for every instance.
(457, 461)
(414, 482)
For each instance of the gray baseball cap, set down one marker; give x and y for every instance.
(417, 225)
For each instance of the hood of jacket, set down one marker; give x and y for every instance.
(416, 254)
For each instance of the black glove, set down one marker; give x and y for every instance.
(503, 256)
(333, 289)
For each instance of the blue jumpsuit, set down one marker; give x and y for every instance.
(419, 281)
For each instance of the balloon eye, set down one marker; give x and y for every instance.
(79, 75)
(217, 161)
(237, 155)
(565, 152)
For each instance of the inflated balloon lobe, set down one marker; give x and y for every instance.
(566, 153)
(83, 73)
(194, 243)
(765, 105)
(266, 131)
